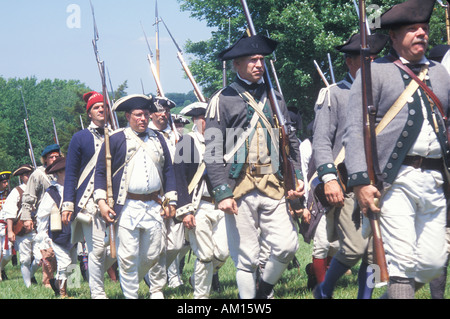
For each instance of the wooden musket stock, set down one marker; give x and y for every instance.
(370, 149)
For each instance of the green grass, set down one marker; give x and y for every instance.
(292, 285)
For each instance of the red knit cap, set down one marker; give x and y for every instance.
(91, 98)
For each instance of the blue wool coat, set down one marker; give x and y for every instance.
(81, 149)
(121, 149)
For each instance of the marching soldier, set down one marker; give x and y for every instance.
(144, 191)
(343, 216)
(412, 150)
(25, 242)
(5, 248)
(78, 207)
(205, 224)
(173, 230)
(50, 230)
(244, 175)
(38, 182)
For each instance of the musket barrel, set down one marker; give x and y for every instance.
(369, 114)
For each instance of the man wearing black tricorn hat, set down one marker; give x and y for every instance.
(144, 191)
(412, 150)
(329, 125)
(243, 165)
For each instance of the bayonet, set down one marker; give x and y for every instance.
(30, 146)
(274, 71)
(153, 69)
(331, 68)
(106, 107)
(197, 90)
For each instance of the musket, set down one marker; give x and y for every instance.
(81, 122)
(109, 191)
(331, 68)
(274, 71)
(116, 119)
(30, 146)
(324, 79)
(370, 145)
(158, 82)
(197, 90)
(289, 177)
(153, 69)
(54, 130)
(111, 117)
(30, 149)
(224, 63)
(156, 24)
(447, 18)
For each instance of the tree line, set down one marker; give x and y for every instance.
(37, 103)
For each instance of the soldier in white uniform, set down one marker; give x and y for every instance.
(144, 191)
(205, 224)
(173, 230)
(29, 254)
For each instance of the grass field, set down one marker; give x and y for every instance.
(291, 286)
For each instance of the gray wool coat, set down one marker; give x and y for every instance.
(394, 142)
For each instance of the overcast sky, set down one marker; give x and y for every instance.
(52, 39)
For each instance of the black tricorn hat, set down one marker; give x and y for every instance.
(408, 12)
(438, 52)
(23, 169)
(162, 102)
(57, 165)
(376, 43)
(134, 102)
(246, 46)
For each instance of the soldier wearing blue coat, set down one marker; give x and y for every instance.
(78, 206)
(412, 152)
(144, 191)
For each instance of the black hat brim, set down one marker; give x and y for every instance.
(248, 46)
(408, 12)
(134, 102)
(376, 43)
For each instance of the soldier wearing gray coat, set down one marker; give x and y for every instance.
(343, 217)
(412, 152)
(245, 180)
